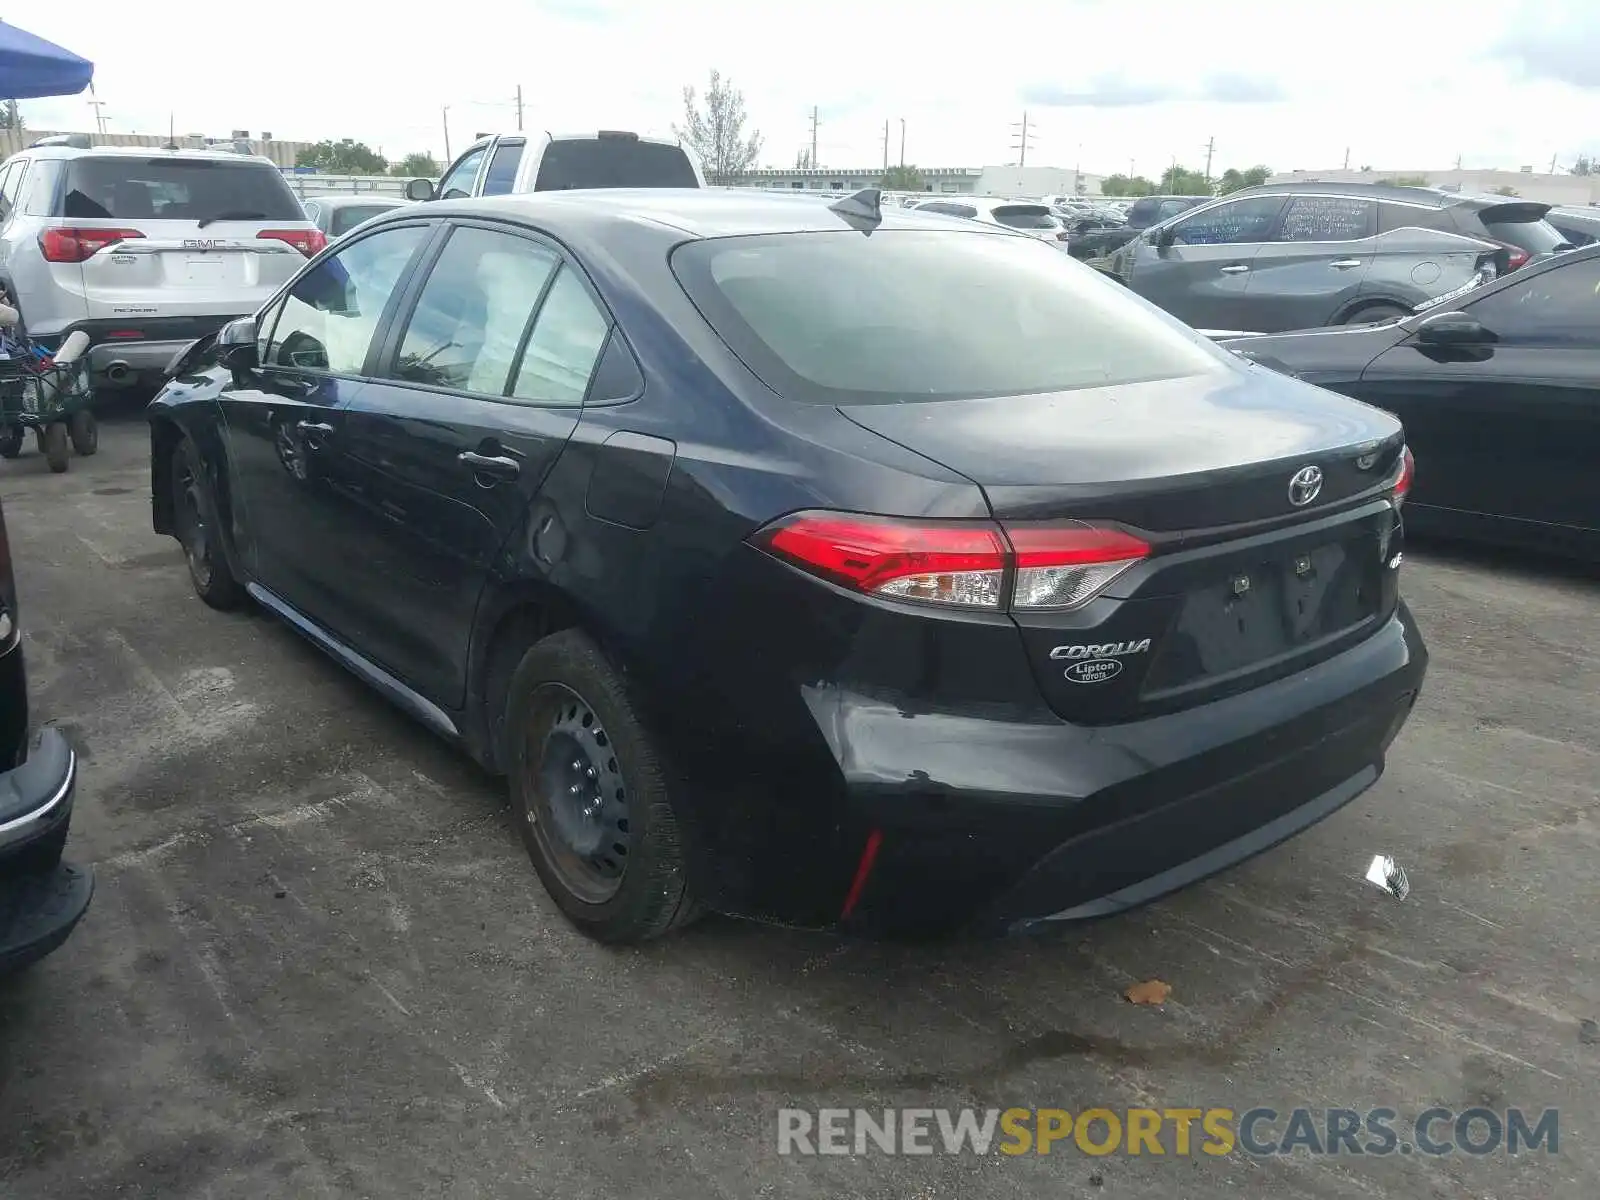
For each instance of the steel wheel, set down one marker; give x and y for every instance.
(580, 810)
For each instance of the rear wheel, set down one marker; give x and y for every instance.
(56, 452)
(196, 525)
(590, 795)
(85, 431)
(1374, 314)
(11, 441)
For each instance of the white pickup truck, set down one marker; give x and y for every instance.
(507, 163)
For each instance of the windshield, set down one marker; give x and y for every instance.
(612, 162)
(903, 315)
(183, 189)
(1024, 216)
(1536, 237)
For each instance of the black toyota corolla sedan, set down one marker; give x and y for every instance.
(814, 563)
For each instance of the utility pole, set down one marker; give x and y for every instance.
(1211, 146)
(99, 113)
(1022, 141)
(519, 108)
(886, 145)
(1458, 162)
(1347, 158)
(902, 141)
(815, 121)
(1553, 158)
(444, 112)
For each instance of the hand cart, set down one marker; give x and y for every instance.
(51, 400)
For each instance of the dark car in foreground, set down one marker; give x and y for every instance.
(42, 898)
(1499, 390)
(1298, 256)
(779, 578)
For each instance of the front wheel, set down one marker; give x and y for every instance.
(85, 431)
(56, 452)
(590, 796)
(195, 511)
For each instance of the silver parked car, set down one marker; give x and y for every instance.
(338, 215)
(144, 250)
(1023, 216)
(1300, 256)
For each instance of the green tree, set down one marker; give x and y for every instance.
(715, 132)
(1506, 191)
(1406, 181)
(344, 157)
(802, 160)
(10, 115)
(1126, 185)
(1180, 181)
(904, 178)
(1583, 166)
(419, 164)
(1233, 180)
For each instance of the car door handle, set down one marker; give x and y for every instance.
(498, 465)
(1236, 269)
(1344, 264)
(316, 427)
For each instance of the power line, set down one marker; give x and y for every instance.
(815, 121)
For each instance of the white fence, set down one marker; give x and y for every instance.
(304, 185)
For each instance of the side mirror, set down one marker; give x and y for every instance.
(419, 189)
(1452, 329)
(236, 345)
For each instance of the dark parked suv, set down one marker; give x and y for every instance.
(1296, 256)
(41, 897)
(780, 578)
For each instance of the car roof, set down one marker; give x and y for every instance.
(691, 212)
(587, 135)
(144, 152)
(1431, 197)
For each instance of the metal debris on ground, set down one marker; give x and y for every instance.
(1389, 875)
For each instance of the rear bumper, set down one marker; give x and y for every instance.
(993, 826)
(40, 903)
(159, 340)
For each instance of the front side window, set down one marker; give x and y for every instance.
(929, 315)
(458, 182)
(566, 342)
(327, 320)
(1327, 219)
(1237, 222)
(473, 312)
(1553, 307)
(502, 174)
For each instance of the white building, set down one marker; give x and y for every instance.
(971, 181)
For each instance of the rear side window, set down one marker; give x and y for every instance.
(1171, 208)
(566, 342)
(612, 162)
(908, 315)
(503, 169)
(38, 195)
(176, 189)
(1327, 219)
(1024, 216)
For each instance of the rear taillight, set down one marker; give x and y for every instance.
(72, 245)
(1516, 256)
(308, 241)
(1402, 477)
(961, 564)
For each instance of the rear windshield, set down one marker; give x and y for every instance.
(612, 163)
(131, 189)
(1024, 216)
(349, 216)
(1536, 237)
(905, 315)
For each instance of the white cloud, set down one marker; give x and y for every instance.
(1399, 86)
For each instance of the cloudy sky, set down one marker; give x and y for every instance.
(1401, 86)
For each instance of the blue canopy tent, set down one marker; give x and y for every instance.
(31, 67)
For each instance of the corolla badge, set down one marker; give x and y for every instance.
(1304, 485)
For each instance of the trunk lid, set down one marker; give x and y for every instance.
(1242, 583)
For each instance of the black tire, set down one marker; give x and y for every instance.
(85, 432)
(56, 451)
(196, 524)
(611, 854)
(1374, 313)
(11, 441)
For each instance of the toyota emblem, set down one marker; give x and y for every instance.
(1304, 486)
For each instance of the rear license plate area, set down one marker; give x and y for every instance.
(1258, 610)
